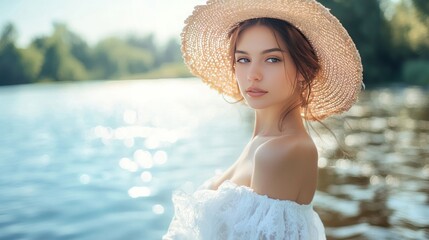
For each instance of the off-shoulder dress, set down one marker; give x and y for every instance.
(234, 212)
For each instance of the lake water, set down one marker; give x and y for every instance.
(99, 160)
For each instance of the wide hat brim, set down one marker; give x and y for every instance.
(205, 48)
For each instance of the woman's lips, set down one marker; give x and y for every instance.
(255, 92)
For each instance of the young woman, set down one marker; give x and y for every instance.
(288, 60)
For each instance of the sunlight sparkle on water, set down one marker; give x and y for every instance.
(414, 97)
(143, 158)
(102, 132)
(374, 180)
(343, 163)
(391, 180)
(425, 171)
(127, 164)
(385, 98)
(130, 116)
(367, 169)
(160, 157)
(158, 209)
(154, 137)
(322, 162)
(146, 176)
(129, 142)
(152, 143)
(85, 179)
(136, 192)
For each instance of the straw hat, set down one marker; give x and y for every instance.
(205, 47)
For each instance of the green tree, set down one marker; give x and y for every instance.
(366, 24)
(422, 7)
(8, 35)
(17, 66)
(78, 47)
(59, 62)
(171, 52)
(59, 65)
(147, 43)
(409, 34)
(41, 43)
(410, 40)
(116, 58)
(32, 60)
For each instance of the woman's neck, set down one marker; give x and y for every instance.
(267, 122)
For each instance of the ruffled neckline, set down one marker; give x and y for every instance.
(229, 185)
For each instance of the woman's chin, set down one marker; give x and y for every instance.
(257, 104)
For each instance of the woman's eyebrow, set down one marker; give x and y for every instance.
(263, 52)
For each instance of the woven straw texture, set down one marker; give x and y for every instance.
(205, 47)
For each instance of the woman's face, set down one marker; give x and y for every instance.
(264, 69)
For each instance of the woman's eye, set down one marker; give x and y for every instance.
(273, 60)
(243, 60)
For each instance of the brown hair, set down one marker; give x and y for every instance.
(300, 50)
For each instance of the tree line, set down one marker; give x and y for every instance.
(65, 56)
(392, 39)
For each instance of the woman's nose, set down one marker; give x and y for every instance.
(254, 73)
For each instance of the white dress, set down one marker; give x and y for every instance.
(238, 213)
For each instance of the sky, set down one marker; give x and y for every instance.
(96, 19)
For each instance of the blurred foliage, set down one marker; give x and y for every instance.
(392, 38)
(64, 56)
(115, 57)
(388, 45)
(168, 70)
(16, 66)
(59, 63)
(365, 22)
(416, 72)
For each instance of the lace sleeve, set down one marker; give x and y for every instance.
(237, 213)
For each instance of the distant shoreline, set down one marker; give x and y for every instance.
(394, 85)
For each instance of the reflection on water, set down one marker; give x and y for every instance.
(381, 190)
(100, 160)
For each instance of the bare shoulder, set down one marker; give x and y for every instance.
(286, 150)
(299, 149)
(286, 168)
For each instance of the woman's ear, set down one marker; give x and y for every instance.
(300, 80)
(300, 77)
